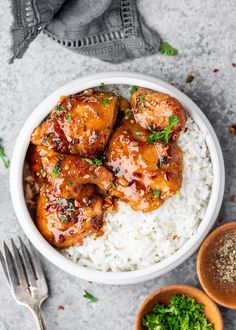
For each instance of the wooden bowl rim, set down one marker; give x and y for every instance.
(184, 288)
(209, 238)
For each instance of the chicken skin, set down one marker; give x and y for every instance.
(80, 124)
(146, 174)
(65, 222)
(153, 109)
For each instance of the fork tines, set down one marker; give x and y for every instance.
(23, 269)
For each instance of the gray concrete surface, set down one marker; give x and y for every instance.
(204, 34)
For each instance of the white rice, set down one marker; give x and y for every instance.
(134, 240)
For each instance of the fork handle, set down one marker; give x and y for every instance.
(38, 318)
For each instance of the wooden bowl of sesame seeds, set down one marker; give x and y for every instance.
(216, 265)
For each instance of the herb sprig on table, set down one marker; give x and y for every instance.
(183, 313)
(3, 156)
(167, 49)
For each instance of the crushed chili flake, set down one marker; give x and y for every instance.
(233, 198)
(189, 78)
(216, 70)
(234, 65)
(61, 308)
(185, 129)
(174, 237)
(220, 219)
(232, 129)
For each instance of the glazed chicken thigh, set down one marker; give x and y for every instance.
(79, 124)
(64, 222)
(153, 109)
(146, 174)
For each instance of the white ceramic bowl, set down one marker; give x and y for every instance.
(16, 179)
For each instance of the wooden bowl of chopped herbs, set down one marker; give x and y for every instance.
(216, 265)
(178, 307)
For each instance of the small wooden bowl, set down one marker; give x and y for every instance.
(223, 294)
(163, 296)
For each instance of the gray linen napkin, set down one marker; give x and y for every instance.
(111, 30)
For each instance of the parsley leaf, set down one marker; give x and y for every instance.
(3, 156)
(89, 296)
(68, 117)
(163, 135)
(167, 49)
(156, 193)
(138, 133)
(182, 313)
(56, 169)
(69, 183)
(133, 89)
(105, 101)
(141, 99)
(95, 161)
(102, 85)
(127, 113)
(60, 108)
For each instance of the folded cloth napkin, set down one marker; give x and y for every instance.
(111, 30)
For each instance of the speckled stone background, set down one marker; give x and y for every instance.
(204, 34)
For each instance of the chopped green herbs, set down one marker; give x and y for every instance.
(69, 183)
(167, 49)
(138, 133)
(133, 89)
(105, 101)
(127, 113)
(89, 296)
(64, 219)
(95, 161)
(60, 108)
(71, 203)
(68, 118)
(3, 156)
(183, 313)
(56, 169)
(163, 135)
(156, 193)
(141, 99)
(102, 85)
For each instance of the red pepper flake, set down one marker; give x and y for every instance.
(233, 198)
(174, 237)
(189, 78)
(220, 219)
(234, 65)
(61, 308)
(216, 70)
(232, 129)
(185, 129)
(61, 238)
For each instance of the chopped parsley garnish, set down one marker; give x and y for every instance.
(183, 313)
(127, 113)
(163, 135)
(95, 161)
(63, 219)
(56, 169)
(69, 183)
(102, 85)
(105, 101)
(138, 133)
(133, 89)
(89, 296)
(3, 156)
(141, 99)
(68, 118)
(71, 203)
(167, 49)
(156, 193)
(60, 108)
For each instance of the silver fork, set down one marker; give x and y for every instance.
(25, 278)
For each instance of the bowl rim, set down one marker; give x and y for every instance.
(89, 274)
(183, 288)
(209, 238)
